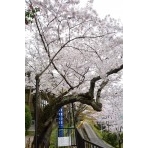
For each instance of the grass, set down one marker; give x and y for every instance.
(53, 138)
(29, 133)
(98, 132)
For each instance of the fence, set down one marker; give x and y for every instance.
(76, 139)
(82, 143)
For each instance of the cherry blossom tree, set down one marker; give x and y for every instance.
(112, 98)
(70, 54)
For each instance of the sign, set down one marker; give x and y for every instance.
(64, 141)
(60, 123)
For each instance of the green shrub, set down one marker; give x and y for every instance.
(110, 138)
(121, 137)
(28, 118)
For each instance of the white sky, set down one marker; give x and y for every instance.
(105, 7)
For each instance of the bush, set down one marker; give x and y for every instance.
(28, 118)
(121, 137)
(110, 138)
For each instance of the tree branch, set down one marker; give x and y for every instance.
(80, 24)
(94, 51)
(93, 81)
(83, 98)
(103, 84)
(115, 70)
(62, 75)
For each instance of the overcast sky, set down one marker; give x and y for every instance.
(105, 7)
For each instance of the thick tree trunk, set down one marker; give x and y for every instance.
(43, 140)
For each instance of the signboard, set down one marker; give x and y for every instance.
(60, 123)
(64, 141)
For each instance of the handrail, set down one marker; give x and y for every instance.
(80, 142)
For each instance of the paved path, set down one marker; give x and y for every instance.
(32, 129)
(93, 137)
(27, 139)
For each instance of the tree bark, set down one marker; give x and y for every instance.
(44, 131)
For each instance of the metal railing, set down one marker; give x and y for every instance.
(82, 143)
(76, 138)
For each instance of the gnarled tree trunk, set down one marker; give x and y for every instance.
(46, 119)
